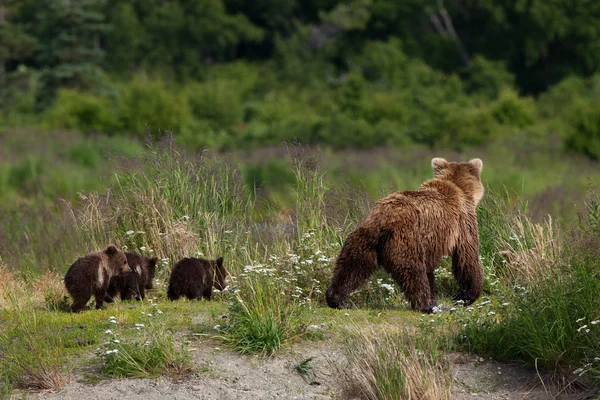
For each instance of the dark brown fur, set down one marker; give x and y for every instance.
(408, 233)
(133, 284)
(91, 274)
(194, 278)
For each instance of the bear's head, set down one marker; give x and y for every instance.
(220, 281)
(117, 261)
(465, 175)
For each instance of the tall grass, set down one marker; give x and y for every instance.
(265, 313)
(390, 365)
(545, 308)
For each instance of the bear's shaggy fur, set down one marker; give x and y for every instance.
(91, 274)
(133, 284)
(194, 278)
(408, 232)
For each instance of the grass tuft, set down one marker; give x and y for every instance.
(388, 365)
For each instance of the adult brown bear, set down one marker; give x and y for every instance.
(408, 232)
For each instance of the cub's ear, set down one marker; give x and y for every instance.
(154, 260)
(111, 250)
(438, 164)
(477, 164)
(219, 262)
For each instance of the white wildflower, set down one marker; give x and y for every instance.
(128, 233)
(108, 332)
(580, 319)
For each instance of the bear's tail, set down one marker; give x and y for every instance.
(355, 264)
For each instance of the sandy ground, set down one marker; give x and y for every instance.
(226, 375)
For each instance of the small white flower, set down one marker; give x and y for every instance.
(143, 248)
(228, 232)
(139, 325)
(112, 321)
(108, 332)
(116, 341)
(185, 218)
(581, 328)
(141, 232)
(580, 319)
(159, 312)
(128, 233)
(505, 304)
(216, 327)
(149, 315)
(346, 314)
(595, 322)
(491, 313)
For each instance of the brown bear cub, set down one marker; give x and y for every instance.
(90, 275)
(194, 278)
(133, 284)
(408, 232)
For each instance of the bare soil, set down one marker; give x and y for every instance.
(226, 375)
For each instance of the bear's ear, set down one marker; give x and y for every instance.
(438, 164)
(111, 250)
(477, 164)
(154, 260)
(220, 262)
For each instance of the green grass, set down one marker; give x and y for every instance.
(280, 257)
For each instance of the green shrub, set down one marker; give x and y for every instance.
(216, 101)
(487, 78)
(511, 110)
(82, 112)
(584, 130)
(148, 103)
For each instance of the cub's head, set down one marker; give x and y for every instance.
(220, 281)
(117, 260)
(465, 175)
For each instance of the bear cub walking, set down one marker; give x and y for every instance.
(194, 278)
(133, 284)
(408, 232)
(91, 274)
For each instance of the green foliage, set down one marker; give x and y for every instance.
(488, 78)
(153, 352)
(83, 112)
(262, 315)
(584, 130)
(146, 104)
(511, 110)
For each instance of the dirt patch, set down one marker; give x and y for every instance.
(226, 375)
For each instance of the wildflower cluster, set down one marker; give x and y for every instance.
(141, 349)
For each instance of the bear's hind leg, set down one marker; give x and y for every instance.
(431, 279)
(80, 303)
(415, 285)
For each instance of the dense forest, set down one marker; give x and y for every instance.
(359, 73)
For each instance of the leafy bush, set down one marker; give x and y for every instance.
(148, 103)
(216, 101)
(84, 112)
(511, 110)
(584, 130)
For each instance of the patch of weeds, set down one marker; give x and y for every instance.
(391, 365)
(153, 352)
(262, 317)
(306, 370)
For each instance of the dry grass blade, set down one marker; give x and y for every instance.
(42, 379)
(531, 251)
(388, 365)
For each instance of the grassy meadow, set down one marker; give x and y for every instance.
(279, 216)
